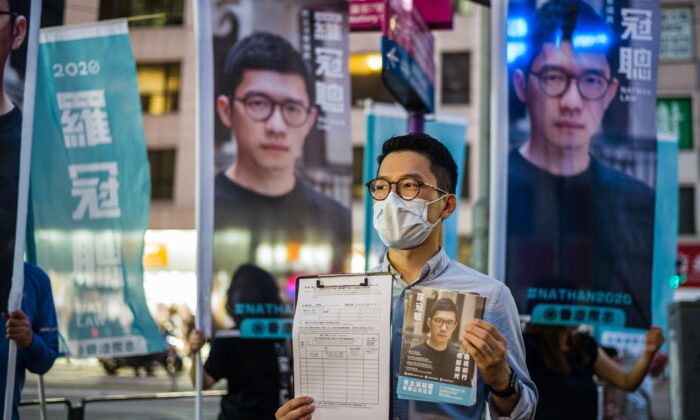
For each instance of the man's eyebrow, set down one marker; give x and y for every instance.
(590, 70)
(285, 100)
(598, 72)
(550, 67)
(418, 177)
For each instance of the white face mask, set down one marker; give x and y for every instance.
(403, 224)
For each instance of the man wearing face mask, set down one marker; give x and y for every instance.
(413, 192)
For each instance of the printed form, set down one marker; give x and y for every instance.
(341, 345)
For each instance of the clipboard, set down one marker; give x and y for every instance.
(362, 279)
(342, 344)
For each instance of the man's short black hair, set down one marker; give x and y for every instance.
(18, 8)
(443, 304)
(442, 164)
(264, 51)
(568, 20)
(16, 5)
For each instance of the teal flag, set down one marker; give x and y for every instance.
(90, 189)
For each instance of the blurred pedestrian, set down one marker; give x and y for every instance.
(563, 361)
(257, 370)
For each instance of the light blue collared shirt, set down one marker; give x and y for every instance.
(442, 273)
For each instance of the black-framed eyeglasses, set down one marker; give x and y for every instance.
(12, 14)
(449, 323)
(406, 188)
(555, 82)
(260, 107)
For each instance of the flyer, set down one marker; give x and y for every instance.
(435, 366)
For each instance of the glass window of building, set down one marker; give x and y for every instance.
(686, 210)
(366, 79)
(465, 174)
(358, 165)
(170, 12)
(162, 173)
(675, 116)
(159, 86)
(455, 78)
(677, 42)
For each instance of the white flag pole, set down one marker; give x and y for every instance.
(15, 300)
(499, 141)
(41, 388)
(205, 177)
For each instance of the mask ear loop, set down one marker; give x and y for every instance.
(435, 201)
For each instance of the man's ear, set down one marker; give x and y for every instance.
(19, 31)
(450, 206)
(313, 114)
(223, 107)
(520, 84)
(612, 92)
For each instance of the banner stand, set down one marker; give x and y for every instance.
(15, 301)
(416, 122)
(204, 204)
(499, 142)
(41, 388)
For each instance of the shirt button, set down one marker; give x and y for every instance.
(397, 418)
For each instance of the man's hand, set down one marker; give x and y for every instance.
(488, 348)
(18, 328)
(196, 340)
(299, 408)
(655, 338)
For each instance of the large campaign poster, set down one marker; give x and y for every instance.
(582, 165)
(13, 57)
(90, 189)
(283, 161)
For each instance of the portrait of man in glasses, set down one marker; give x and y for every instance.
(264, 212)
(574, 221)
(436, 351)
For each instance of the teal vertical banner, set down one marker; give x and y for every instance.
(385, 121)
(665, 229)
(665, 246)
(90, 189)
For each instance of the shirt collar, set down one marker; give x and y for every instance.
(432, 268)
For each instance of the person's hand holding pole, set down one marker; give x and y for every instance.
(196, 340)
(18, 328)
(655, 339)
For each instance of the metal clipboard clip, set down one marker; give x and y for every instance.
(362, 277)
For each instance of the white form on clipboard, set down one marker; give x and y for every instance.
(341, 344)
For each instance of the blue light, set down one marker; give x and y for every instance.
(515, 50)
(590, 40)
(676, 281)
(558, 36)
(517, 28)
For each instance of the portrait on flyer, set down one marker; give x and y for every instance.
(282, 141)
(582, 160)
(431, 339)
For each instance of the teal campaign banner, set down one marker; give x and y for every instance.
(385, 121)
(90, 189)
